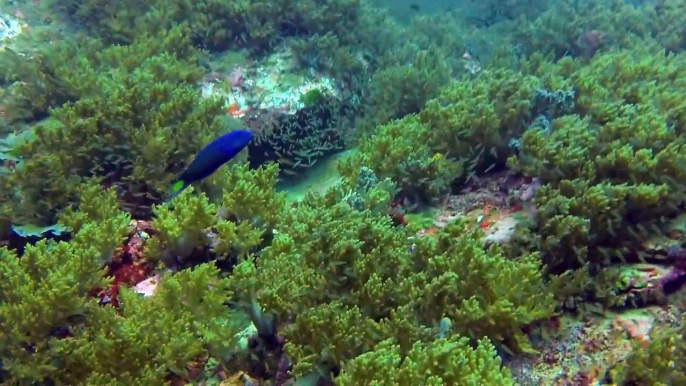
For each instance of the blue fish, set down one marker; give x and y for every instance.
(211, 158)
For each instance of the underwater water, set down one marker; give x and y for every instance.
(342, 192)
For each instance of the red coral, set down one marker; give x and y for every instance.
(125, 273)
(398, 219)
(397, 213)
(128, 267)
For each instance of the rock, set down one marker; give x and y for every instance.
(502, 231)
(148, 286)
(639, 285)
(9, 28)
(294, 114)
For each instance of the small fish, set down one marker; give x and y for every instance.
(211, 158)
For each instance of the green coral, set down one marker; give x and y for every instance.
(348, 291)
(238, 222)
(643, 78)
(48, 289)
(216, 24)
(348, 277)
(133, 127)
(97, 221)
(398, 151)
(155, 337)
(249, 195)
(401, 89)
(660, 362)
(475, 120)
(614, 171)
(64, 72)
(312, 98)
(54, 330)
(479, 290)
(561, 27)
(441, 362)
(41, 291)
(182, 229)
(469, 121)
(249, 209)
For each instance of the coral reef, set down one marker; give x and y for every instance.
(397, 151)
(130, 128)
(442, 362)
(386, 291)
(509, 208)
(476, 120)
(69, 336)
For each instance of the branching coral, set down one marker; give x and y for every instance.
(41, 292)
(183, 228)
(336, 288)
(660, 362)
(560, 29)
(54, 330)
(441, 362)
(70, 339)
(400, 90)
(64, 72)
(191, 225)
(398, 151)
(474, 120)
(349, 276)
(133, 129)
(185, 319)
(249, 209)
(481, 291)
(215, 24)
(646, 79)
(614, 172)
(97, 221)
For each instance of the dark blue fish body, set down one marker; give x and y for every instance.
(211, 158)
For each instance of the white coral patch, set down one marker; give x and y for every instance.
(9, 28)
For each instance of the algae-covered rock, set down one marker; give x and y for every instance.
(295, 114)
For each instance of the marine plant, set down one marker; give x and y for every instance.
(475, 120)
(613, 169)
(398, 150)
(132, 127)
(440, 362)
(54, 330)
(348, 276)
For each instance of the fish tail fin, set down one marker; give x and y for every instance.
(177, 187)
